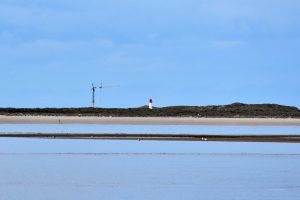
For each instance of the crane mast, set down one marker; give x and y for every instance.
(94, 87)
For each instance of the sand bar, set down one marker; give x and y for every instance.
(149, 120)
(167, 137)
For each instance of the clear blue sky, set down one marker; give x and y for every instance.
(178, 52)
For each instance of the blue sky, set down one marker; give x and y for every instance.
(178, 52)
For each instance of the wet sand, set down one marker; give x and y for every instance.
(150, 121)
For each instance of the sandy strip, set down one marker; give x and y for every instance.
(166, 137)
(148, 120)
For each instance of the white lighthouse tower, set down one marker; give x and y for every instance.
(150, 104)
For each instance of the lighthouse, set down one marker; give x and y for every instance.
(150, 104)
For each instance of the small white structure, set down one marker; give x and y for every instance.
(150, 104)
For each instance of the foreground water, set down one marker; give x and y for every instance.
(172, 129)
(104, 169)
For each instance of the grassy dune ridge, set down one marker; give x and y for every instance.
(235, 110)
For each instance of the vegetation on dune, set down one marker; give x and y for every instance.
(231, 110)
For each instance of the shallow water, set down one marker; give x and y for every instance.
(105, 169)
(171, 129)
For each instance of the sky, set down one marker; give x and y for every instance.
(177, 52)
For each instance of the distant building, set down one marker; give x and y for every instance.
(150, 104)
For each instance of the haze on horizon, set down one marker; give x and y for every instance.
(192, 52)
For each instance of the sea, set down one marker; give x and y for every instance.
(76, 169)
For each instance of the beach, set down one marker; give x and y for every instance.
(40, 155)
(149, 120)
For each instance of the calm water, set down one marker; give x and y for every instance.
(65, 128)
(104, 169)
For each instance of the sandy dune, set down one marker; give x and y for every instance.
(148, 120)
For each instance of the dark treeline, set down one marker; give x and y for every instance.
(232, 110)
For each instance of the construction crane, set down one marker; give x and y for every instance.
(94, 87)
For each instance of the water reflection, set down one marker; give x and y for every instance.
(37, 169)
(188, 177)
(171, 129)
